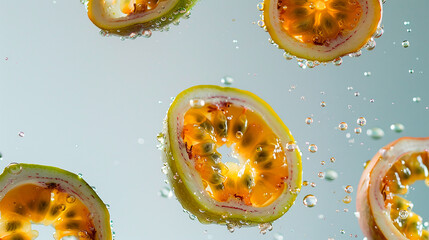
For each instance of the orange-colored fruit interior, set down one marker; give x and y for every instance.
(48, 205)
(318, 21)
(258, 178)
(137, 6)
(410, 168)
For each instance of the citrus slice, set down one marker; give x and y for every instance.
(50, 196)
(136, 17)
(257, 186)
(322, 30)
(384, 212)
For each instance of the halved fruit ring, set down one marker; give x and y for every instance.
(322, 30)
(50, 196)
(383, 213)
(262, 183)
(133, 18)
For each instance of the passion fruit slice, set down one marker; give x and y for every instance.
(50, 196)
(384, 212)
(264, 182)
(133, 18)
(322, 30)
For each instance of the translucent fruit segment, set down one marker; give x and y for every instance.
(259, 177)
(408, 169)
(30, 203)
(319, 21)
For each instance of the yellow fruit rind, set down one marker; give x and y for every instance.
(158, 23)
(187, 198)
(18, 174)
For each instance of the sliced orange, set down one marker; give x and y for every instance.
(132, 18)
(265, 179)
(50, 196)
(384, 212)
(322, 30)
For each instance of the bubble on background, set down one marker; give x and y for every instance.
(312, 148)
(227, 80)
(397, 127)
(375, 133)
(310, 201)
(331, 175)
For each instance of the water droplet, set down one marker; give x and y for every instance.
(321, 175)
(403, 214)
(375, 133)
(358, 130)
(405, 44)
(15, 168)
(361, 121)
(409, 30)
(312, 148)
(166, 192)
(416, 99)
(367, 74)
(379, 32)
(308, 120)
(290, 146)
(197, 103)
(342, 126)
(347, 199)
(80, 175)
(406, 23)
(348, 189)
(147, 33)
(397, 127)
(261, 23)
(332, 159)
(310, 200)
(357, 94)
(322, 104)
(264, 227)
(305, 183)
(411, 71)
(322, 163)
(21, 134)
(260, 6)
(227, 80)
(230, 227)
(370, 45)
(331, 175)
(70, 199)
(313, 184)
(372, 100)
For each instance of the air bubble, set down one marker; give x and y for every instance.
(308, 120)
(227, 80)
(348, 189)
(310, 201)
(406, 23)
(331, 175)
(358, 130)
(337, 61)
(197, 103)
(375, 133)
(70, 199)
(239, 134)
(342, 126)
(21, 134)
(370, 45)
(278, 236)
(264, 227)
(321, 175)
(312, 148)
(361, 121)
(287, 56)
(15, 168)
(357, 94)
(379, 32)
(416, 99)
(260, 6)
(405, 44)
(411, 71)
(166, 192)
(347, 199)
(397, 127)
(367, 74)
(290, 146)
(322, 104)
(403, 214)
(332, 159)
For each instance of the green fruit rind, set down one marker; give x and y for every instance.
(186, 183)
(166, 13)
(17, 174)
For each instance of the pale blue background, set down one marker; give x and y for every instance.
(83, 101)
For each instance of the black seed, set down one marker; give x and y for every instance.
(72, 225)
(328, 23)
(70, 214)
(300, 12)
(248, 181)
(268, 165)
(20, 209)
(261, 156)
(42, 206)
(55, 210)
(220, 186)
(12, 226)
(17, 237)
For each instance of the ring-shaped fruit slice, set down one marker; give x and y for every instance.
(322, 30)
(50, 196)
(264, 182)
(384, 213)
(136, 17)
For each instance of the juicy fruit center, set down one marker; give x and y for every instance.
(48, 205)
(408, 169)
(137, 6)
(318, 22)
(258, 178)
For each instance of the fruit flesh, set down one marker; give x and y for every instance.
(384, 213)
(137, 6)
(259, 177)
(408, 169)
(44, 204)
(319, 21)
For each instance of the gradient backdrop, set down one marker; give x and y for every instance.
(94, 105)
